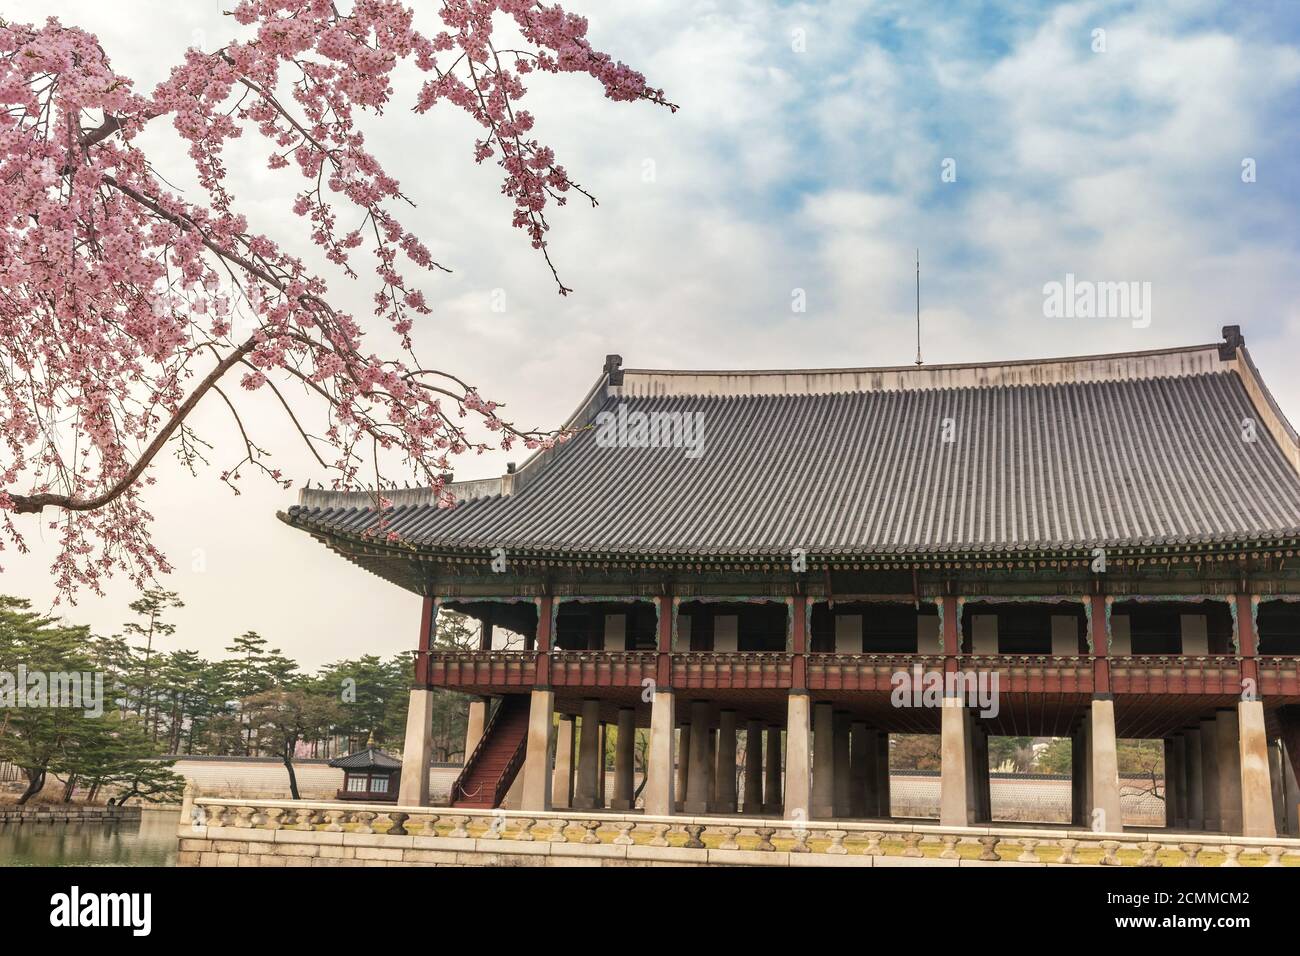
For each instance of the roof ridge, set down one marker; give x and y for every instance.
(1136, 353)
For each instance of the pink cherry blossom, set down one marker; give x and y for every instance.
(123, 303)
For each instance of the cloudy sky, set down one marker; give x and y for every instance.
(806, 163)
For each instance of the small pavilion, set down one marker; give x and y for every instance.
(370, 775)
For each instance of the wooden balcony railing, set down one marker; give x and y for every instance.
(734, 670)
(1175, 674)
(1279, 676)
(475, 668)
(770, 670)
(1034, 673)
(864, 672)
(602, 668)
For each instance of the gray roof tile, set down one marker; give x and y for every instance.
(1141, 461)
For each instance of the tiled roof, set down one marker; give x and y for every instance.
(1107, 451)
(372, 758)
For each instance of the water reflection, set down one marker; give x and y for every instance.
(151, 842)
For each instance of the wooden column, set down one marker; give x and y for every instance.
(951, 633)
(424, 642)
(1099, 637)
(1247, 640)
(664, 660)
(799, 641)
(543, 644)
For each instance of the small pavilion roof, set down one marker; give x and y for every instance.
(1137, 449)
(371, 758)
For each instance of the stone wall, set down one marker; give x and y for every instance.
(66, 813)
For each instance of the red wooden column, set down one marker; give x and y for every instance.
(1100, 640)
(951, 633)
(1247, 640)
(543, 647)
(664, 660)
(799, 640)
(425, 643)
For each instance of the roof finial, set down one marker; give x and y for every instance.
(918, 306)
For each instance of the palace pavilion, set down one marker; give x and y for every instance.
(745, 562)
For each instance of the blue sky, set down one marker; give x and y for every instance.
(813, 169)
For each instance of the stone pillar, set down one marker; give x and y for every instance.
(1180, 780)
(858, 744)
(772, 773)
(625, 760)
(727, 761)
(1290, 792)
(1256, 791)
(1195, 780)
(475, 721)
(1170, 790)
(1078, 777)
(1229, 771)
(798, 757)
(1085, 748)
(697, 781)
(840, 787)
(417, 750)
(1107, 813)
(712, 767)
(562, 782)
(870, 771)
(536, 794)
(882, 774)
(683, 766)
(955, 808)
(1277, 780)
(823, 807)
(985, 775)
(753, 803)
(587, 791)
(601, 775)
(1213, 818)
(659, 790)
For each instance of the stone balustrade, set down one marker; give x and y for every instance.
(231, 832)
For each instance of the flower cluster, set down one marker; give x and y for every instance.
(122, 304)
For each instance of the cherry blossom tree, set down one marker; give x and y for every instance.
(123, 304)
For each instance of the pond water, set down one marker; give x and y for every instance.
(151, 842)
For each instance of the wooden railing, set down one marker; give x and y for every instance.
(213, 830)
(747, 670)
(602, 668)
(475, 668)
(864, 672)
(735, 670)
(1034, 673)
(1279, 675)
(1175, 674)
